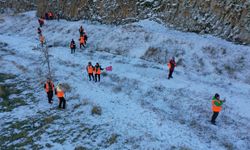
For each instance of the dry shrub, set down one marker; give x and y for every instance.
(117, 89)
(104, 74)
(96, 110)
(112, 139)
(66, 87)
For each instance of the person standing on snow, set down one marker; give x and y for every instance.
(39, 31)
(72, 46)
(81, 31)
(41, 21)
(98, 69)
(82, 41)
(49, 88)
(216, 107)
(42, 40)
(171, 66)
(60, 94)
(90, 69)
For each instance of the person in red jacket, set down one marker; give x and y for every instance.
(171, 66)
(49, 88)
(216, 107)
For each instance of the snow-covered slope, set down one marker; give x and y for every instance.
(141, 109)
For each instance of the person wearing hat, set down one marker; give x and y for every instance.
(90, 69)
(49, 88)
(98, 69)
(60, 94)
(216, 107)
(171, 66)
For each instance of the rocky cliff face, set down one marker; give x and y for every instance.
(17, 5)
(229, 19)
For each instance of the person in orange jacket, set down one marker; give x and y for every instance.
(49, 88)
(90, 69)
(171, 66)
(98, 69)
(216, 107)
(72, 46)
(82, 41)
(60, 94)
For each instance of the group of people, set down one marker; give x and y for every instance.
(82, 40)
(94, 73)
(59, 91)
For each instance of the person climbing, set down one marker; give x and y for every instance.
(81, 31)
(90, 69)
(60, 94)
(98, 69)
(82, 41)
(41, 21)
(49, 88)
(85, 37)
(216, 107)
(50, 15)
(39, 31)
(42, 40)
(72, 46)
(171, 66)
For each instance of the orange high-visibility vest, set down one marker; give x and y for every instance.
(169, 65)
(42, 39)
(90, 69)
(98, 71)
(47, 86)
(60, 92)
(82, 40)
(214, 107)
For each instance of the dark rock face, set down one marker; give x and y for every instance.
(17, 5)
(229, 19)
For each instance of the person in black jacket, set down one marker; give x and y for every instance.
(72, 46)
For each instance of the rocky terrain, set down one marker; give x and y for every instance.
(227, 19)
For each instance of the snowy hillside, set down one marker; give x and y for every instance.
(133, 107)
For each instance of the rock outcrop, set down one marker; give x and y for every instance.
(17, 6)
(229, 19)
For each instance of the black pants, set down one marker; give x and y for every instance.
(91, 75)
(73, 50)
(215, 115)
(62, 101)
(81, 44)
(50, 96)
(170, 73)
(97, 75)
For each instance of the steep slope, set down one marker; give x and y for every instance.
(228, 19)
(141, 109)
